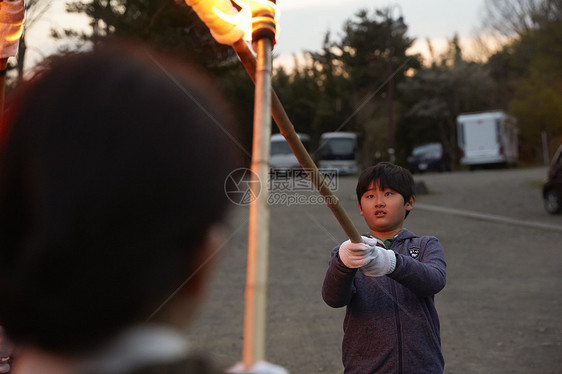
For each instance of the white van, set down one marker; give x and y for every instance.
(338, 153)
(487, 138)
(282, 159)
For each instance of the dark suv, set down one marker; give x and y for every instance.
(552, 187)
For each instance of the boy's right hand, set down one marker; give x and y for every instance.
(355, 255)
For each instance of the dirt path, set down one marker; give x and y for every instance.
(500, 311)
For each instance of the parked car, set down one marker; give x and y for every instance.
(552, 187)
(428, 157)
(282, 161)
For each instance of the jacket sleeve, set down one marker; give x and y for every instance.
(338, 288)
(425, 276)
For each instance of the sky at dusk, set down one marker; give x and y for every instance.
(304, 23)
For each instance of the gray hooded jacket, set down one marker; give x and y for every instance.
(391, 324)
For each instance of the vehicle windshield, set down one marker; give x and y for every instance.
(338, 149)
(427, 149)
(280, 148)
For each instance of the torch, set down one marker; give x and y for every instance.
(226, 27)
(263, 37)
(12, 14)
(224, 21)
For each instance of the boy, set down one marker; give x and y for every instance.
(391, 324)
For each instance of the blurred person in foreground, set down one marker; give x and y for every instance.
(388, 282)
(112, 167)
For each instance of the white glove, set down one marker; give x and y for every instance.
(372, 242)
(261, 367)
(380, 261)
(355, 255)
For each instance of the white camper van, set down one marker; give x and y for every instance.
(487, 138)
(338, 153)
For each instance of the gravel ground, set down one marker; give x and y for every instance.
(500, 311)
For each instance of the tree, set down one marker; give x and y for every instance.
(327, 71)
(355, 76)
(435, 96)
(347, 85)
(174, 27)
(511, 17)
(311, 91)
(299, 95)
(537, 93)
(528, 77)
(168, 24)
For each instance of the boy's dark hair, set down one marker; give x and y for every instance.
(112, 167)
(387, 175)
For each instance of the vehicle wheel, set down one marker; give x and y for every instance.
(553, 201)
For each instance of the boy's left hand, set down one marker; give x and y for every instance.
(354, 255)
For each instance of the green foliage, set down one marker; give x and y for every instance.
(537, 93)
(344, 86)
(300, 107)
(175, 28)
(436, 95)
(172, 26)
(349, 84)
(530, 79)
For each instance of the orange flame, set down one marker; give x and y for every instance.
(16, 35)
(244, 20)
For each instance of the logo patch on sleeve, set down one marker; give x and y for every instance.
(414, 252)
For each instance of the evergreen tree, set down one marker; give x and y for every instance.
(435, 96)
(174, 27)
(168, 24)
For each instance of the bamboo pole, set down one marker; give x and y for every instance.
(258, 232)
(288, 131)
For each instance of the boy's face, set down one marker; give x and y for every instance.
(384, 210)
